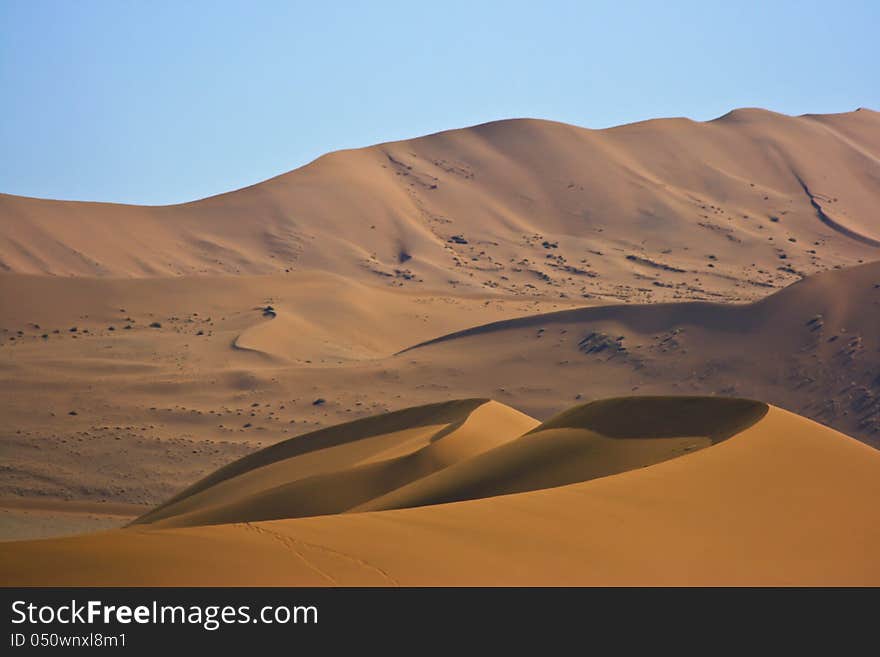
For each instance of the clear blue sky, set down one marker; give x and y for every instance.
(163, 102)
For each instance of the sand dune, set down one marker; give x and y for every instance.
(480, 452)
(583, 443)
(315, 474)
(812, 347)
(781, 500)
(131, 412)
(518, 207)
(159, 408)
(227, 369)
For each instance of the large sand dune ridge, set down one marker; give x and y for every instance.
(721, 209)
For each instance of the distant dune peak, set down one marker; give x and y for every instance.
(520, 207)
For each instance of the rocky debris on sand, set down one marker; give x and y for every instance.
(671, 341)
(816, 323)
(597, 342)
(647, 262)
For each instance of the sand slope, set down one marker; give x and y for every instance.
(159, 408)
(782, 501)
(586, 442)
(339, 468)
(520, 207)
(138, 354)
(812, 347)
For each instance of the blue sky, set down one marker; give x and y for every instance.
(164, 102)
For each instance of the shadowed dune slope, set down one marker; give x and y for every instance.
(336, 469)
(783, 501)
(590, 441)
(432, 417)
(661, 417)
(850, 296)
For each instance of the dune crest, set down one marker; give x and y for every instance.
(586, 442)
(483, 449)
(316, 474)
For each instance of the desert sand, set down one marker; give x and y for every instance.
(329, 372)
(717, 492)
